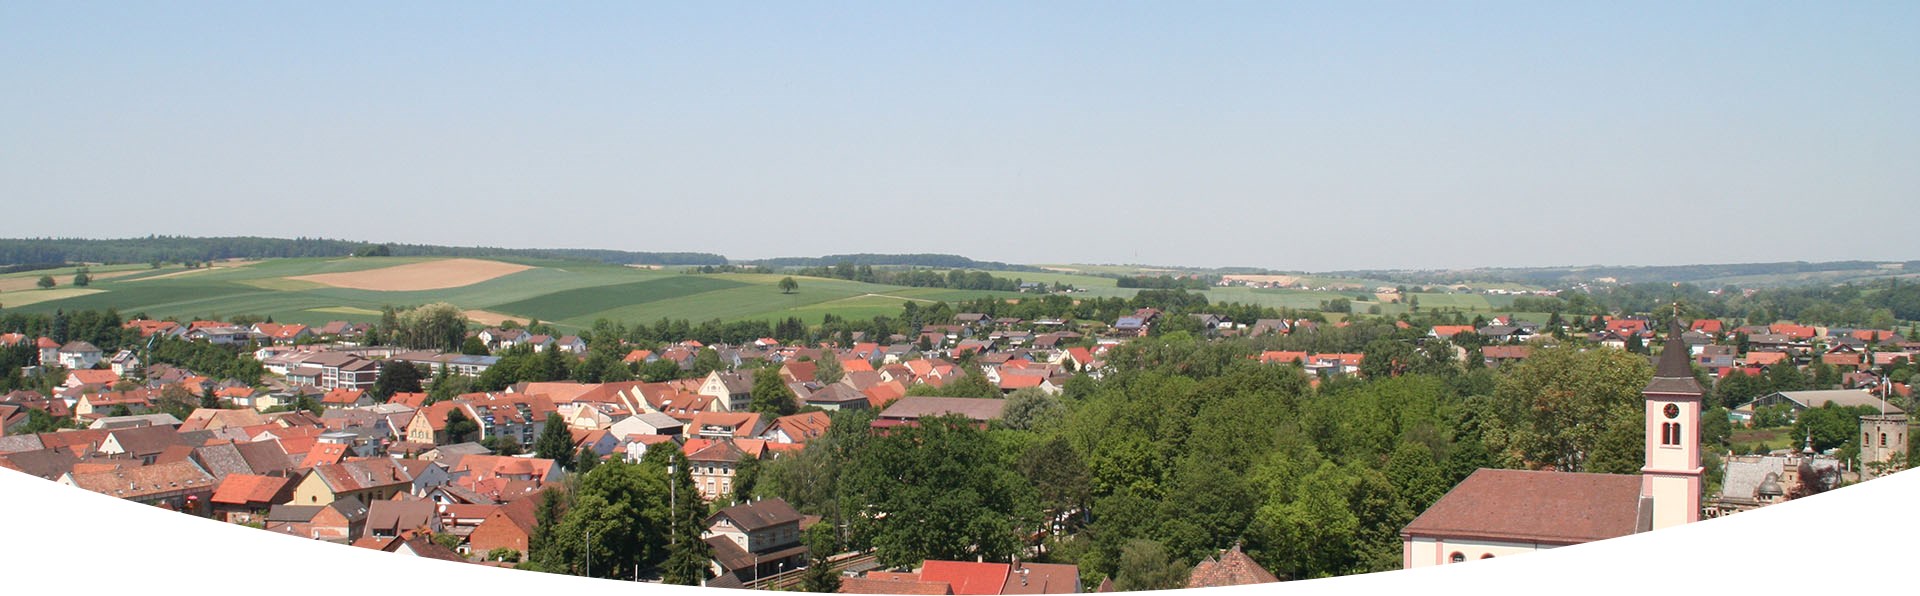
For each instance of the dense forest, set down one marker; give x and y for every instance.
(919, 278)
(1877, 304)
(181, 249)
(1164, 282)
(935, 261)
(1556, 276)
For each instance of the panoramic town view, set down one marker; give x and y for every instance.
(901, 424)
(877, 298)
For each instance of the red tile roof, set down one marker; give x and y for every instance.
(1233, 568)
(1272, 356)
(875, 585)
(884, 394)
(342, 397)
(1792, 330)
(324, 453)
(1451, 330)
(243, 489)
(92, 377)
(1524, 505)
(967, 577)
(1042, 578)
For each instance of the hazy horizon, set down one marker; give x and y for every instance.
(1298, 137)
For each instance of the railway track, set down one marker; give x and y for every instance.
(788, 579)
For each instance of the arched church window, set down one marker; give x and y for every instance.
(1458, 557)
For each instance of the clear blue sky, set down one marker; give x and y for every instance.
(1293, 136)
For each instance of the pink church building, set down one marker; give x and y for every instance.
(1497, 513)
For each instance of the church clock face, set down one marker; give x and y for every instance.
(1673, 411)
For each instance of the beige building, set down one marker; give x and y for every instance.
(369, 480)
(713, 467)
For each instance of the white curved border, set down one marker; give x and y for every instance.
(62, 536)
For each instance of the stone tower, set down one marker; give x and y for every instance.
(1882, 438)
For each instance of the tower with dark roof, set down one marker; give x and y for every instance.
(1672, 476)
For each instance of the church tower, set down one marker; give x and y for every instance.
(1672, 475)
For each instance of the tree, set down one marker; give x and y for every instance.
(705, 361)
(1385, 357)
(787, 285)
(659, 371)
(177, 400)
(1348, 513)
(396, 377)
(503, 554)
(459, 427)
(585, 460)
(438, 326)
(1032, 409)
(827, 369)
(554, 443)
(1555, 406)
(472, 346)
(1829, 426)
(819, 577)
(46, 281)
(946, 490)
(616, 522)
(1059, 478)
(1785, 376)
(686, 562)
(746, 474)
(1418, 480)
(81, 278)
(503, 445)
(39, 421)
(771, 395)
(1146, 565)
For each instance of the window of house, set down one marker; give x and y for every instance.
(1883, 440)
(1457, 557)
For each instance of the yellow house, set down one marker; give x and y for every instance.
(370, 480)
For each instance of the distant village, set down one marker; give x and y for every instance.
(309, 451)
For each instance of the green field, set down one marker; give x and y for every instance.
(30, 297)
(573, 294)
(569, 294)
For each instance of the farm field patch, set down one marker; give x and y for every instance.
(13, 299)
(429, 275)
(346, 310)
(578, 302)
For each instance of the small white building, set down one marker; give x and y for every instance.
(77, 355)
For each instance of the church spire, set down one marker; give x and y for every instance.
(1674, 373)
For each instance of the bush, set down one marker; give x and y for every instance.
(504, 554)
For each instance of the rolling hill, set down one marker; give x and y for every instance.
(569, 293)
